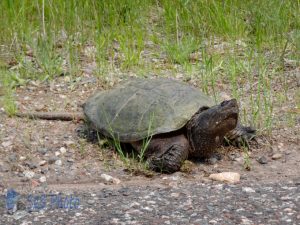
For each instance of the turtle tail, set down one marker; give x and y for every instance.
(240, 136)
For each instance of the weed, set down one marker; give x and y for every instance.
(247, 161)
(146, 141)
(82, 147)
(180, 51)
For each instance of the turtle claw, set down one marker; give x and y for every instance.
(241, 136)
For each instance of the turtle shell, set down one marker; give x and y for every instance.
(139, 108)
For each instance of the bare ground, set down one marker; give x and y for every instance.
(52, 149)
(23, 142)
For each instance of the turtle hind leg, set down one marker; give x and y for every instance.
(167, 154)
(240, 136)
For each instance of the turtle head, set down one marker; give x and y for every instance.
(208, 127)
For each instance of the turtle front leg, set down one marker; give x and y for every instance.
(240, 136)
(166, 154)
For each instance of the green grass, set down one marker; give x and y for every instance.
(242, 45)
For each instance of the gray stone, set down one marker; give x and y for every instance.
(52, 159)
(43, 151)
(4, 168)
(44, 170)
(91, 202)
(31, 164)
(212, 160)
(262, 160)
(70, 160)
(19, 214)
(12, 157)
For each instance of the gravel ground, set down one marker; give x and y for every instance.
(47, 157)
(189, 203)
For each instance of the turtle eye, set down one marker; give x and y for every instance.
(224, 103)
(203, 108)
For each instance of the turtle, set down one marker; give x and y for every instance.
(181, 121)
(178, 119)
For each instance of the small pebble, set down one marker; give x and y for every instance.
(70, 160)
(248, 189)
(91, 202)
(31, 165)
(5, 144)
(22, 158)
(262, 160)
(175, 195)
(276, 156)
(4, 168)
(212, 160)
(63, 150)
(42, 179)
(109, 178)
(12, 157)
(57, 153)
(230, 177)
(52, 159)
(58, 162)
(20, 214)
(44, 171)
(28, 174)
(42, 163)
(43, 151)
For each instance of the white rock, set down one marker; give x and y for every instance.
(175, 195)
(109, 178)
(22, 158)
(6, 144)
(58, 162)
(248, 189)
(57, 153)
(276, 156)
(29, 174)
(42, 179)
(230, 177)
(63, 150)
(43, 162)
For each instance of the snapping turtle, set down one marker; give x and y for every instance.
(181, 121)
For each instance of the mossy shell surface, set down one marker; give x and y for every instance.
(139, 108)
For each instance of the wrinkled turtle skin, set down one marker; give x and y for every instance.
(182, 121)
